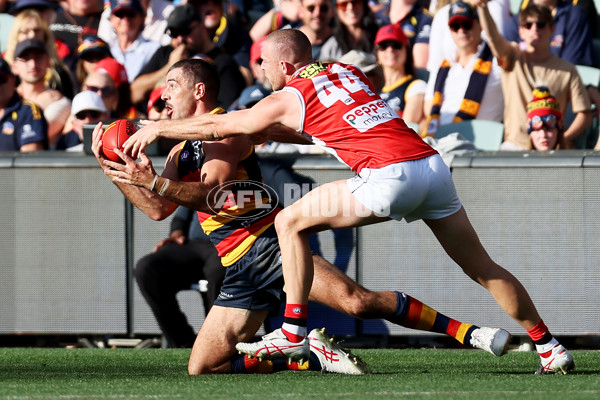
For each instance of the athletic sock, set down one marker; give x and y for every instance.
(542, 338)
(243, 364)
(294, 323)
(411, 313)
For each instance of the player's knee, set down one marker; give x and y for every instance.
(203, 369)
(284, 223)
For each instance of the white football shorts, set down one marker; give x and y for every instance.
(419, 189)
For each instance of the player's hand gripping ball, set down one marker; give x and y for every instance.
(115, 135)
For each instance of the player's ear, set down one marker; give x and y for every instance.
(199, 90)
(287, 68)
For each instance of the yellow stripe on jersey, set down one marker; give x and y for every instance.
(233, 256)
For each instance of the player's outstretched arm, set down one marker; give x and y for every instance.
(122, 175)
(278, 108)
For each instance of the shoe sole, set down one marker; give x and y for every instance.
(500, 342)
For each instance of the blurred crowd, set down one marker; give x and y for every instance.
(67, 64)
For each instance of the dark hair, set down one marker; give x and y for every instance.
(344, 39)
(540, 13)
(196, 70)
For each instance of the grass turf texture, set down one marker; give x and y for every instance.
(42, 373)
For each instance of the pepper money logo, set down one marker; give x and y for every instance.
(242, 200)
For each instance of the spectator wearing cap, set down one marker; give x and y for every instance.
(188, 38)
(87, 108)
(368, 65)
(29, 24)
(441, 44)
(468, 85)
(571, 37)
(130, 48)
(317, 20)
(31, 65)
(544, 120)
(122, 108)
(234, 39)
(415, 21)
(155, 22)
(402, 90)
(22, 124)
(90, 51)
(75, 20)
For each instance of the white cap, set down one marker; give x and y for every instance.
(363, 60)
(87, 100)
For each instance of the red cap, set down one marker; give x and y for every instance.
(113, 68)
(256, 49)
(391, 32)
(154, 96)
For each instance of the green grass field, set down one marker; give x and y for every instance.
(72, 374)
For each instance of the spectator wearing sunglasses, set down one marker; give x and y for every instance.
(441, 44)
(527, 66)
(468, 85)
(544, 120)
(102, 84)
(415, 21)
(317, 17)
(130, 48)
(22, 125)
(118, 75)
(87, 108)
(188, 38)
(354, 28)
(571, 38)
(402, 90)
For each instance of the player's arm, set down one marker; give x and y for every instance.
(277, 108)
(125, 176)
(220, 166)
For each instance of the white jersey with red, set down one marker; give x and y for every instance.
(342, 113)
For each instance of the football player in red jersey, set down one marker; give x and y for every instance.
(398, 177)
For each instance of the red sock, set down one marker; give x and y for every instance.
(294, 325)
(538, 332)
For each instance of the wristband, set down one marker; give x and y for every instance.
(162, 189)
(154, 183)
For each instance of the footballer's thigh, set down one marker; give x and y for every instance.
(331, 205)
(222, 329)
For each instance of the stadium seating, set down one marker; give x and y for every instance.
(485, 135)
